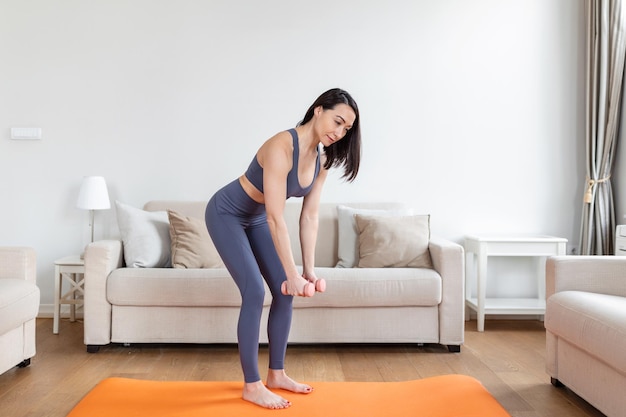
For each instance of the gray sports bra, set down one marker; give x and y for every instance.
(254, 173)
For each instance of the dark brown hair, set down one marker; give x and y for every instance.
(347, 151)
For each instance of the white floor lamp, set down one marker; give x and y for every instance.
(93, 196)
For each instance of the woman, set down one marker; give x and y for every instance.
(245, 221)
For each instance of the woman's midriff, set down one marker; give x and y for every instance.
(251, 190)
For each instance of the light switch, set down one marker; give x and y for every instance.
(26, 133)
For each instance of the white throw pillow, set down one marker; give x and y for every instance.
(145, 235)
(348, 245)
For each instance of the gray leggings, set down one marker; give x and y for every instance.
(238, 227)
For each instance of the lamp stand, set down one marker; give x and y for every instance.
(91, 222)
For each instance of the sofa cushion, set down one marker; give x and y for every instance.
(146, 236)
(192, 246)
(19, 303)
(376, 287)
(172, 287)
(396, 242)
(348, 235)
(596, 323)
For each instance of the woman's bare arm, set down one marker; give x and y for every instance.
(276, 158)
(309, 224)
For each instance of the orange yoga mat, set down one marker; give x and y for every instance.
(448, 395)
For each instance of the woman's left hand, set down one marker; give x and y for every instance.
(320, 283)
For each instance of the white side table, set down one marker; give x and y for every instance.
(480, 248)
(70, 269)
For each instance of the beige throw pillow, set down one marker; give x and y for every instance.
(393, 242)
(348, 236)
(192, 246)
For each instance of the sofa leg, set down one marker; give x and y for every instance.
(93, 348)
(24, 363)
(556, 382)
(454, 348)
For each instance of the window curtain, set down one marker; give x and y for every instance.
(606, 47)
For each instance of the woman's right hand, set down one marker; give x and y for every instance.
(298, 286)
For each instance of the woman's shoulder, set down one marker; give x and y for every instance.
(281, 139)
(283, 135)
(279, 143)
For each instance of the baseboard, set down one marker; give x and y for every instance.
(46, 311)
(472, 316)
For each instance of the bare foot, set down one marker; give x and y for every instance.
(257, 393)
(277, 378)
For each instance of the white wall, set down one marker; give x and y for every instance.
(471, 110)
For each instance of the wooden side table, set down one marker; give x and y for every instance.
(480, 248)
(70, 269)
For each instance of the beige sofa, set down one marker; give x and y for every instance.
(361, 305)
(19, 305)
(586, 328)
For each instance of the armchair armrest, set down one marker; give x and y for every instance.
(449, 261)
(101, 258)
(18, 263)
(598, 274)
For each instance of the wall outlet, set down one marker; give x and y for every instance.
(26, 133)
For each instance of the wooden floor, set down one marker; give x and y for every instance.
(508, 358)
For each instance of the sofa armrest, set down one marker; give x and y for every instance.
(101, 258)
(18, 263)
(598, 274)
(449, 261)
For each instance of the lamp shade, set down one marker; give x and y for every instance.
(93, 194)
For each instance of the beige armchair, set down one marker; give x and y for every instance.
(586, 328)
(19, 306)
